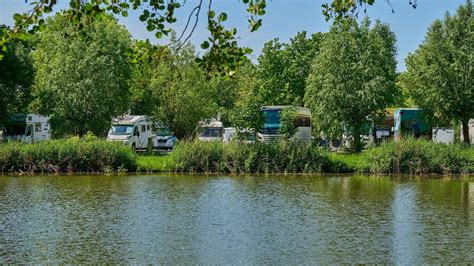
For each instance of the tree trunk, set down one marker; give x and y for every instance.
(465, 131)
(357, 140)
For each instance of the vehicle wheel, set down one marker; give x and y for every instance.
(133, 146)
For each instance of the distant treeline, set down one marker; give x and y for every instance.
(345, 75)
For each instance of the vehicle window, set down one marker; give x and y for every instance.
(212, 132)
(302, 121)
(28, 130)
(163, 131)
(272, 117)
(148, 127)
(143, 128)
(37, 127)
(121, 129)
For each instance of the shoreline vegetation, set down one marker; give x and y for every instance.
(99, 156)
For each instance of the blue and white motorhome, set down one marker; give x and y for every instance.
(272, 125)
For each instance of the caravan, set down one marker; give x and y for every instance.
(410, 122)
(272, 123)
(28, 128)
(132, 130)
(211, 130)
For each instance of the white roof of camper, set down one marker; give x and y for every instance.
(129, 119)
(299, 109)
(211, 123)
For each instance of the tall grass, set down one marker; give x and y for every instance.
(279, 157)
(413, 156)
(66, 156)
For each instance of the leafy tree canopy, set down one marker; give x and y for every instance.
(81, 81)
(440, 72)
(223, 54)
(352, 77)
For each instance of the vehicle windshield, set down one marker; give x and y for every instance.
(121, 129)
(15, 129)
(272, 118)
(163, 131)
(211, 132)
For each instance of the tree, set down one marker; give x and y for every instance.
(440, 72)
(283, 69)
(223, 55)
(81, 80)
(246, 114)
(352, 77)
(184, 95)
(145, 59)
(16, 77)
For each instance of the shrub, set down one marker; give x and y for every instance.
(278, 157)
(66, 156)
(413, 156)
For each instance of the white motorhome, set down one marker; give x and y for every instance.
(28, 128)
(471, 131)
(272, 124)
(443, 135)
(211, 130)
(132, 130)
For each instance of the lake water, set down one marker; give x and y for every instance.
(178, 219)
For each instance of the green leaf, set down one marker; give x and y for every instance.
(211, 14)
(223, 17)
(205, 45)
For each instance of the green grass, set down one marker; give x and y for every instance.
(350, 162)
(155, 163)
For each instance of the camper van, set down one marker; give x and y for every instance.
(211, 130)
(132, 130)
(471, 131)
(28, 128)
(409, 122)
(272, 124)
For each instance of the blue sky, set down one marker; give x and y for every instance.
(285, 18)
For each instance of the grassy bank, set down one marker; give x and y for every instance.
(292, 157)
(66, 156)
(406, 157)
(420, 157)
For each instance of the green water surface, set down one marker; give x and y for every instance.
(178, 219)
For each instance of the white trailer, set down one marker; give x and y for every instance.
(28, 128)
(471, 131)
(272, 124)
(211, 130)
(132, 130)
(443, 135)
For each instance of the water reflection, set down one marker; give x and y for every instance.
(235, 220)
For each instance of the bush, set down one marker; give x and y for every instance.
(278, 157)
(413, 156)
(66, 156)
